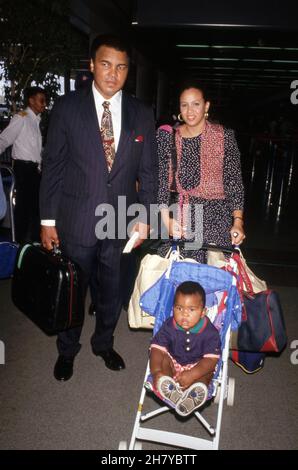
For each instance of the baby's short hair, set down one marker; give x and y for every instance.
(191, 288)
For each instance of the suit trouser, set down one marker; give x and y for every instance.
(27, 182)
(109, 294)
(129, 266)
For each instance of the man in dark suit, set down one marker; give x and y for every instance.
(101, 141)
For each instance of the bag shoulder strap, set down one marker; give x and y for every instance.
(244, 278)
(173, 187)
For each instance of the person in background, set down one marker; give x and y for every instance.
(23, 133)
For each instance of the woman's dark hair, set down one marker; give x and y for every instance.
(191, 288)
(192, 83)
(109, 40)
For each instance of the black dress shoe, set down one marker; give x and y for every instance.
(112, 359)
(92, 311)
(63, 368)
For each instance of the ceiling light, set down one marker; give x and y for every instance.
(192, 45)
(285, 61)
(269, 48)
(196, 58)
(228, 47)
(249, 68)
(256, 60)
(276, 70)
(224, 59)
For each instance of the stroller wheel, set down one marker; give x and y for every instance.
(122, 445)
(138, 445)
(231, 391)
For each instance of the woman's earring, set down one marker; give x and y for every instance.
(180, 118)
(206, 115)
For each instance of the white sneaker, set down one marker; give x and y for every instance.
(169, 389)
(193, 397)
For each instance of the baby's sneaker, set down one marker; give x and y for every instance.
(193, 397)
(169, 389)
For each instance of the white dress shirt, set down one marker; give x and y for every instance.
(24, 135)
(116, 111)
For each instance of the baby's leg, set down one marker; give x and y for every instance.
(167, 367)
(206, 379)
(167, 387)
(203, 371)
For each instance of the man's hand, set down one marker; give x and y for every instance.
(49, 237)
(143, 230)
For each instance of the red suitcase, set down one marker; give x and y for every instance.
(47, 288)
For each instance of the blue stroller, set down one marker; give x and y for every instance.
(224, 311)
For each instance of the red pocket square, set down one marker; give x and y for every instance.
(140, 138)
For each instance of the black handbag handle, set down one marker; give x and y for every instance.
(56, 250)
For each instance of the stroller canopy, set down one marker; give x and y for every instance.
(158, 300)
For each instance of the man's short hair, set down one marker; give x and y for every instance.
(32, 91)
(191, 288)
(109, 40)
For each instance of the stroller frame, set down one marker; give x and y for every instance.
(223, 389)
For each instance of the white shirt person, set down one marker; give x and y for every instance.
(23, 133)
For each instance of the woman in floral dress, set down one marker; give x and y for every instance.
(204, 172)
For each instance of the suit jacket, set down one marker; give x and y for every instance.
(75, 179)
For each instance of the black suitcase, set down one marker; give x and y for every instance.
(47, 287)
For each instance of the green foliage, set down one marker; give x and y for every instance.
(37, 42)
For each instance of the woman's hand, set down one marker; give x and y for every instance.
(172, 225)
(175, 229)
(237, 232)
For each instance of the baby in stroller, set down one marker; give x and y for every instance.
(185, 351)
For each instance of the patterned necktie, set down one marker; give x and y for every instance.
(107, 135)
